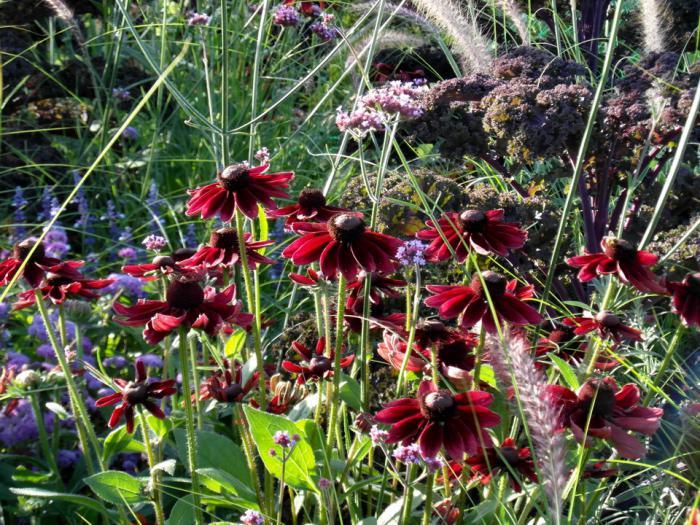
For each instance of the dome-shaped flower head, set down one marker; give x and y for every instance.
(343, 244)
(380, 286)
(140, 391)
(310, 207)
(227, 386)
(686, 298)
(33, 271)
(187, 304)
(160, 265)
(484, 232)
(608, 412)
(239, 187)
(431, 332)
(223, 250)
(437, 418)
(456, 359)
(64, 281)
(315, 366)
(393, 350)
(619, 258)
(470, 305)
(506, 459)
(608, 325)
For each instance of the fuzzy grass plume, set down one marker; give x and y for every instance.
(511, 8)
(653, 14)
(514, 366)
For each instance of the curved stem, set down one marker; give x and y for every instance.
(189, 426)
(155, 491)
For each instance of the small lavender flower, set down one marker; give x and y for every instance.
(45, 351)
(19, 203)
(130, 133)
(4, 311)
(197, 19)
(121, 94)
(154, 243)
(126, 284)
(17, 359)
(324, 32)
(127, 253)
(408, 454)
(377, 435)
(152, 360)
(412, 253)
(263, 155)
(286, 16)
(283, 439)
(56, 243)
(252, 517)
(434, 463)
(67, 458)
(324, 483)
(191, 236)
(116, 361)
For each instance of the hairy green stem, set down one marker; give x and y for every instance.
(335, 403)
(157, 498)
(43, 436)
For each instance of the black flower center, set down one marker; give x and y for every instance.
(597, 397)
(432, 329)
(693, 281)
(509, 456)
(619, 249)
(136, 393)
(56, 279)
(320, 365)
(312, 198)
(224, 238)
(164, 261)
(472, 221)
(22, 249)
(608, 319)
(231, 393)
(438, 406)
(235, 177)
(183, 253)
(186, 295)
(346, 228)
(495, 284)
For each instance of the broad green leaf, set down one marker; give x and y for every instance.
(300, 468)
(215, 451)
(82, 501)
(350, 392)
(58, 410)
(392, 514)
(160, 427)
(219, 481)
(566, 372)
(487, 375)
(235, 343)
(119, 440)
(116, 487)
(182, 512)
(167, 466)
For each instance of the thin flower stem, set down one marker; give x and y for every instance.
(668, 358)
(155, 491)
(80, 414)
(335, 404)
(189, 426)
(408, 495)
(195, 377)
(250, 297)
(411, 334)
(428, 509)
(43, 436)
(280, 501)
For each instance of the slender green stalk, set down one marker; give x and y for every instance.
(189, 426)
(195, 378)
(156, 495)
(335, 403)
(411, 334)
(668, 359)
(86, 434)
(280, 501)
(248, 450)
(428, 509)
(407, 506)
(43, 436)
(255, 88)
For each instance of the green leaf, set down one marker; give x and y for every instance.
(167, 466)
(219, 481)
(392, 514)
(119, 440)
(215, 451)
(235, 343)
(116, 487)
(263, 226)
(487, 375)
(350, 392)
(566, 372)
(182, 512)
(58, 410)
(300, 468)
(160, 427)
(82, 501)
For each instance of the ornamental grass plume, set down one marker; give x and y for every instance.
(654, 16)
(511, 360)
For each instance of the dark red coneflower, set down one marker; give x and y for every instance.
(33, 271)
(379, 317)
(686, 298)
(507, 459)
(380, 286)
(306, 7)
(608, 412)
(64, 281)
(566, 344)
(187, 304)
(137, 392)
(607, 324)
(239, 187)
(430, 332)
(393, 350)
(484, 232)
(437, 418)
(310, 207)
(223, 251)
(470, 304)
(160, 265)
(619, 258)
(315, 366)
(456, 359)
(345, 245)
(227, 386)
